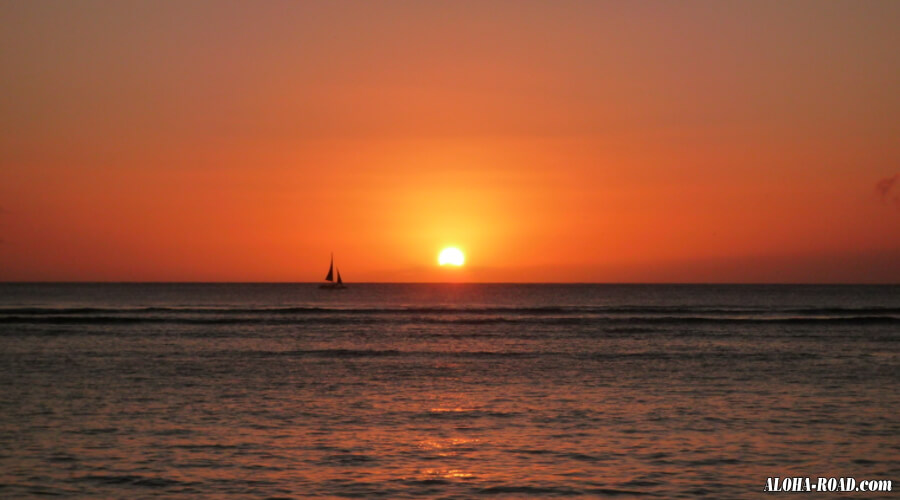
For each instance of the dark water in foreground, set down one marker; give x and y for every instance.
(398, 391)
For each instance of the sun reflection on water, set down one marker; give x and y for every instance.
(450, 410)
(448, 473)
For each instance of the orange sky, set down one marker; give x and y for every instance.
(551, 141)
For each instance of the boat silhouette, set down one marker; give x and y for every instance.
(332, 284)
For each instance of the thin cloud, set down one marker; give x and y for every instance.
(3, 211)
(887, 190)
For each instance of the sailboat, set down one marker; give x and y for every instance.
(332, 284)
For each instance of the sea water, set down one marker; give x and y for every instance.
(444, 391)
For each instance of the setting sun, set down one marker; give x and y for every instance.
(451, 256)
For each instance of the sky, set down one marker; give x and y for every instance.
(564, 141)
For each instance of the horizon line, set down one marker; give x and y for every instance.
(614, 283)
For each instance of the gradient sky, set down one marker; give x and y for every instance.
(552, 141)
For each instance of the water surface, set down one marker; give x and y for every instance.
(444, 391)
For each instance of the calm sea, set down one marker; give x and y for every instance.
(445, 391)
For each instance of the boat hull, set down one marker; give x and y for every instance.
(332, 286)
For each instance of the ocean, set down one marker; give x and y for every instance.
(444, 390)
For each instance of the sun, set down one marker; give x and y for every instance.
(451, 256)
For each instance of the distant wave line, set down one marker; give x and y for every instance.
(371, 319)
(550, 310)
(594, 355)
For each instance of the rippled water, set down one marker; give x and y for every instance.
(450, 391)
